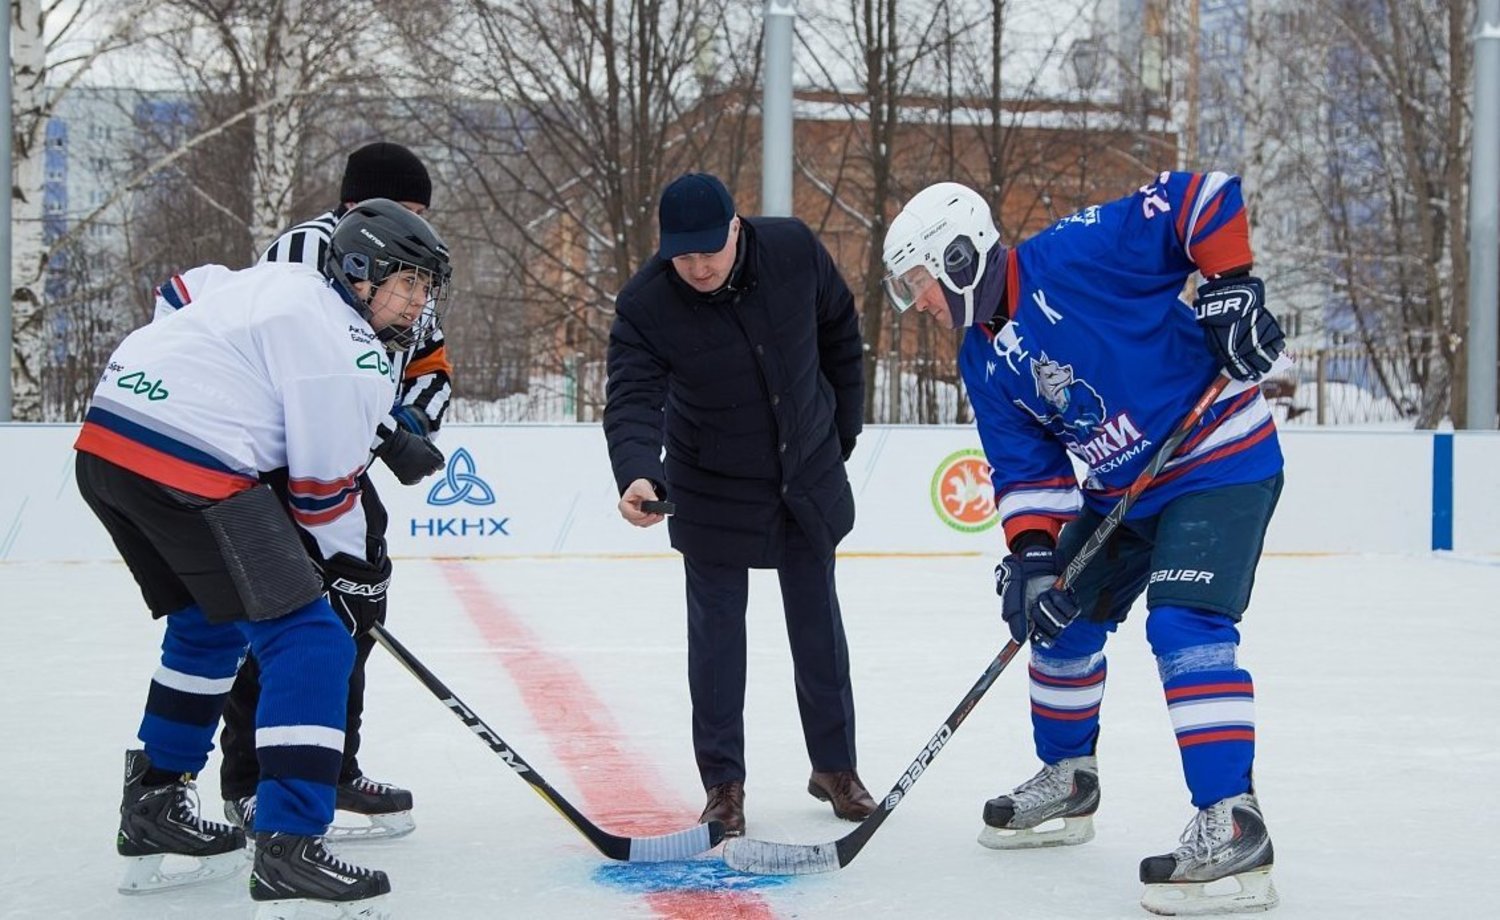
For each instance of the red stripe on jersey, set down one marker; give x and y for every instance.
(1012, 282)
(1021, 523)
(1056, 482)
(1204, 220)
(1266, 429)
(321, 488)
(158, 466)
(1189, 201)
(1226, 249)
(314, 518)
(1235, 405)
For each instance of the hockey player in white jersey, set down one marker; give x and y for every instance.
(403, 440)
(282, 374)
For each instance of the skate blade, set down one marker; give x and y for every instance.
(375, 827)
(376, 908)
(1248, 891)
(147, 874)
(1058, 832)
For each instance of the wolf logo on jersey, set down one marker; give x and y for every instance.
(1078, 406)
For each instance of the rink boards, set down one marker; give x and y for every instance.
(547, 490)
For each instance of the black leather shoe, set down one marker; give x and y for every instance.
(726, 804)
(851, 800)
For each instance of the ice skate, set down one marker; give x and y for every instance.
(296, 878)
(383, 812)
(1222, 866)
(241, 813)
(158, 823)
(1054, 808)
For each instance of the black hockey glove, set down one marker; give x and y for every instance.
(1031, 606)
(1240, 331)
(356, 589)
(410, 457)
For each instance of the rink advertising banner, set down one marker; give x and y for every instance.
(545, 490)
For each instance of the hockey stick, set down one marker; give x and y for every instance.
(679, 845)
(761, 857)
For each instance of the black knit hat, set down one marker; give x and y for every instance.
(386, 170)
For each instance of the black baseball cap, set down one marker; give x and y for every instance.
(695, 213)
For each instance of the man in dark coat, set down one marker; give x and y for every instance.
(737, 348)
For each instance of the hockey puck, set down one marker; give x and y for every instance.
(656, 507)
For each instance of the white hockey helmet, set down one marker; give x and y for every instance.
(944, 234)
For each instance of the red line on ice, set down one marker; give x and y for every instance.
(617, 789)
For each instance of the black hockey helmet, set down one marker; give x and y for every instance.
(378, 238)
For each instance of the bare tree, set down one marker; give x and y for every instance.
(284, 60)
(568, 118)
(47, 62)
(947, 89)
(1367, 134)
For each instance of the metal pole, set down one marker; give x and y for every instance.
(1194, 74)
(1484, 221)
(7, 288)
(776, 110)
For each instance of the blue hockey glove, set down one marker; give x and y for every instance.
(1031, 605)
(1240, 331)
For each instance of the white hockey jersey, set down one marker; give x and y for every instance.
(275, 372)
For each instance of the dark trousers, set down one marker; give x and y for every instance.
(240, 771)
(717, 596)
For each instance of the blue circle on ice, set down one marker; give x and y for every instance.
(681, 875)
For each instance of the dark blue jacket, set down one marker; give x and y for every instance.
(750, 392)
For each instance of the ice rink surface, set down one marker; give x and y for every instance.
(1377, 693)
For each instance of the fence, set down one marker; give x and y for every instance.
(1337, 385)
(1351, 385)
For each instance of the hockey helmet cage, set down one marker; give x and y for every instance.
(377, 238)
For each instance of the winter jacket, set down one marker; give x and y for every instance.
(750, 390)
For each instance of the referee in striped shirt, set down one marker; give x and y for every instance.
(404, 442)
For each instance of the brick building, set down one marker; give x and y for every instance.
(1039, 160)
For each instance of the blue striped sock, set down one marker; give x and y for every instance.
(198, 663)
(305, 658)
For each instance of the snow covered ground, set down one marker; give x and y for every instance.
(1377, 693)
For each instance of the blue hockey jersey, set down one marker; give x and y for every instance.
(1102, 358)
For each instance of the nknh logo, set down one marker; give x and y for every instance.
(461, 485)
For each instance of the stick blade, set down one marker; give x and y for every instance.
(762, 857)
(680, 845)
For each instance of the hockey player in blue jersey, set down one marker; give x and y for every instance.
(1080, 347)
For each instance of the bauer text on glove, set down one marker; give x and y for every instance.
(1238, 328)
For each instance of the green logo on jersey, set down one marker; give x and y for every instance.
(138, 384)
(373, 361)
